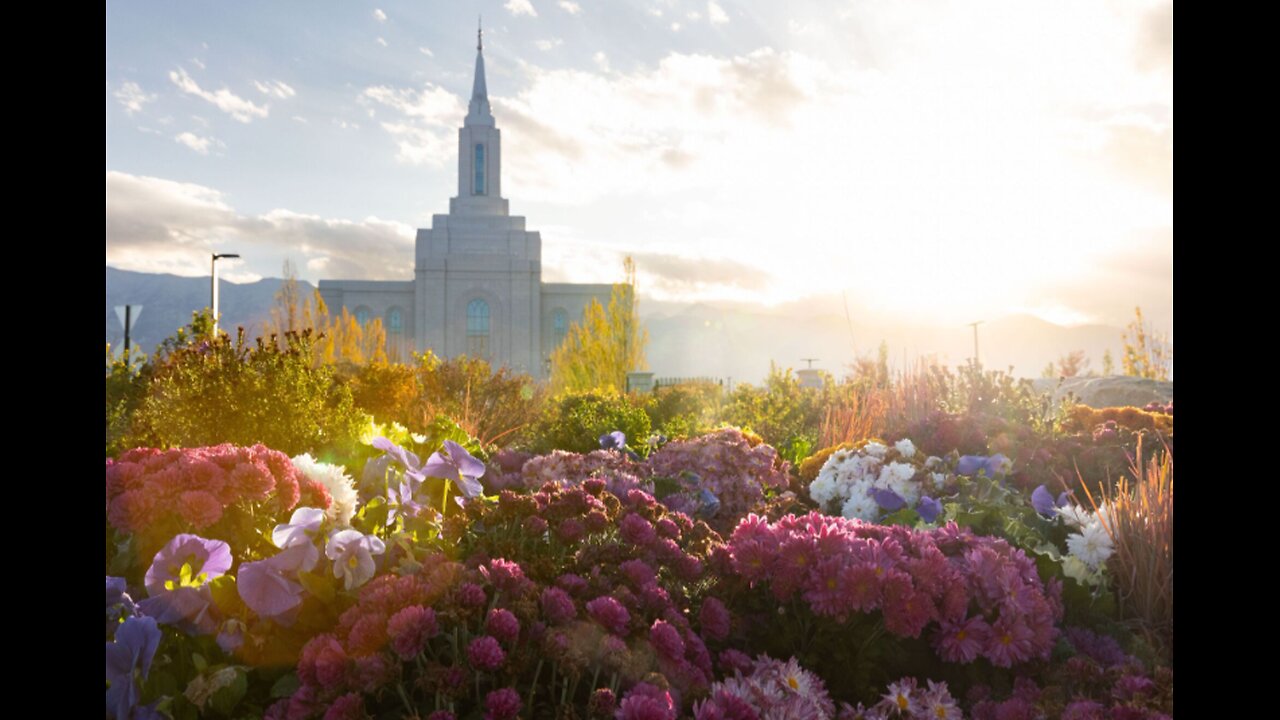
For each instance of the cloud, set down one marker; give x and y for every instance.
(274, 88)
(1155, 39)
(545, 45)
(382, 42)
(381, 16)
(675, 27)
(195, 142)
(346, 125)
(300, 119)
(426, 51)
(132, 97)
(521, 7)
(572, 8)
(225, 100)
(716, 14)
(425, 133)
(158, 225)
(694, 15)
(601, 60)
(674, 273)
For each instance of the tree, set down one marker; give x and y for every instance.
(597, 353)
(1108, 364)
(1146, 354)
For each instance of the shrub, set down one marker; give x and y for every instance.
(387, 391)
(493, 406)
(685, 410)
(216, 391)
(575, 422)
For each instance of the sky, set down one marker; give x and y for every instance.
(927, 162)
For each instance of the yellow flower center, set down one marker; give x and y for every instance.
(960, 635)
(879, 571)
(352, 561)
(939, 711)
(1006, 638)
(902, 701)
(831, 583)
(793, 682)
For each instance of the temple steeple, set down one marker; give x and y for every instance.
(479, 151)
(478, 113)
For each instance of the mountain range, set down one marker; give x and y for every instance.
(735, 342)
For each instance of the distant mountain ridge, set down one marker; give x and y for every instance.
(699, 339)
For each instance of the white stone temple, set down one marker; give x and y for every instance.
(477, 279)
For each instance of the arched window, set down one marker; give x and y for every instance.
(559, 325)
(395, 321)
(479, 171)
(478, 328)
(362, 316)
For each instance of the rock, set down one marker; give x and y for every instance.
(1110, 391)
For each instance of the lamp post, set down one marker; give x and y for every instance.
(213, 292)
(975, 325)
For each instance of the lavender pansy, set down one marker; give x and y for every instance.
(887, 499)
(971, 464)
(455, 464)
(616, 439)
(134, 647)
(408, 459)
(352, 554)
(929, 508)
(187, 561)
(269, 588)
(1042, 501)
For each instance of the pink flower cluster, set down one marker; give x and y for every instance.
(186, 489)
(906, 699)
(725, 464)
(771, 689)
(620, 472)
(983, 596)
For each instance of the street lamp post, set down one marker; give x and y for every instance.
(213, 292)
(975, 325)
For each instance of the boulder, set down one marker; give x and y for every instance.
(1110, 391)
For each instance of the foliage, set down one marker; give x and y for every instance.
(126, 385)
(388, 391)
(223, 391)
(685, 410)
(1146, 354)
(782, 411)
(1070, 365)
(1082, 418)
(598, 352)
(575, 421)
(494, 406)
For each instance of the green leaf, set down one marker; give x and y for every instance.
(226, 699)
(198, 660)
(318, 585)
(285, 686)
(905, 516)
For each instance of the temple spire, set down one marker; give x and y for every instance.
(478, 112)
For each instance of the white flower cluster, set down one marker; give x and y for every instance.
(342, 489)
(848, 477)
(1090, 547)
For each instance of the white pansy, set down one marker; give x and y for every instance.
(905, 448)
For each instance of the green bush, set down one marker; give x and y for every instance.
(686, 410)
(497, 407)
(575, 422)
(782, 412)
(207, 391)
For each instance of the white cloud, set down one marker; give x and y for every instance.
(426, 131)
(300, 119)
(197, 63)
(132, 97)
(197, 143)
(275, 88)
(382, 42)
(225, 100)
(545, 45)
(381, 16)
(521, 7)
(346, 125)
(158, 225)
(716, 14)
(601, 60)
(675, 27)
(694, 15)
(426, 51)
(572, 8)
(656, 12)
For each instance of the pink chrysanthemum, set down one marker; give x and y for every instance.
(666, 640)
(906, 611)
(638, 572)
(471, 595)
(486, 654)
(557, 606)
(1009, 642)
(199, 508)
(715, 619)
(963, 642)
(502, 704)
(410, 629)
(610, 613)
(646, 702)
(503, 625)
(636, 530)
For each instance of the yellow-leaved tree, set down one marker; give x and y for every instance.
(598, 353)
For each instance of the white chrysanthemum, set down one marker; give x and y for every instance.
(875, 449)
(1092, 545)
(932, 462)
(822, 490)
(905, 448)
(342, 489)
(862, 507)
(939, 479)
(1075, 516)
(906, 489)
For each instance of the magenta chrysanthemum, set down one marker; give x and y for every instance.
(503, 625)
(502, 704)
(485, 653)
(410, 629)
(610, 613)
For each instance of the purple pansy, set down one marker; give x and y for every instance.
(970, 464)
(615, 439)
(404, 457)
(177, 582)
(928, 508)
(887, 499)
(454, 463)
(134, 647)
(269, 587)
(1042, 501)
